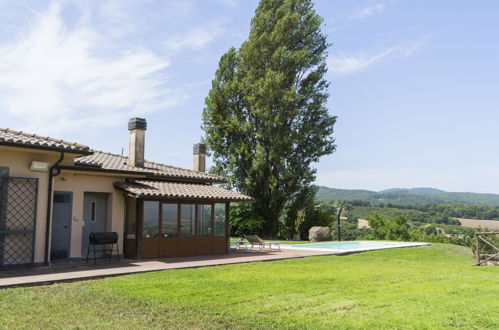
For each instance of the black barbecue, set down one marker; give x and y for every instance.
(103, 238)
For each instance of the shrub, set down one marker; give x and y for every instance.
(244, 221)
(315, 217)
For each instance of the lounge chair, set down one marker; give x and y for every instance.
(255, 240)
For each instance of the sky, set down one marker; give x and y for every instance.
(414, 84)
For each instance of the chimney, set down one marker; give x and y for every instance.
(199, 157)
(137, 128)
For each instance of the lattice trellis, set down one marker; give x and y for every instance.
(18, 202)
(487, 248)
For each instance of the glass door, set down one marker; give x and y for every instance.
(169, 230)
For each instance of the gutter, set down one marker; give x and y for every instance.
(47, 148)
(48, 222)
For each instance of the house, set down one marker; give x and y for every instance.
(54, 193)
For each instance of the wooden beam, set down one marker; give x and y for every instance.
(139, 209)
(212, 219)
(227, 227)
(196, 220)
(179, 210)
(477, 249)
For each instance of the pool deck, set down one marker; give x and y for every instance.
(370, 246)
(86, 271)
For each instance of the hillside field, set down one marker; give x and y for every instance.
(415, 196)
(474, 223)
(467, 223)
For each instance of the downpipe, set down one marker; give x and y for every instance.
(53, 172)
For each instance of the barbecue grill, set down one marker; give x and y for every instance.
(103, 238)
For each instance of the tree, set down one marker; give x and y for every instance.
(340, 207)
(398, 229)
(265, 117)
(378, 225)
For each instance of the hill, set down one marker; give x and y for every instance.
(414, 196)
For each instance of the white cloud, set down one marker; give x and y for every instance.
(54, 78)
(227, 3)
(196, 38)
(368, 11)
(347, 63)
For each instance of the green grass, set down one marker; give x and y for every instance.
(426, 287)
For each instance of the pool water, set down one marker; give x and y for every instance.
(352, 246)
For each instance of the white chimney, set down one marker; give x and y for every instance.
(199, 151)
(137, 128)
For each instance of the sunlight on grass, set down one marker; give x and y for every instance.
(424, 287)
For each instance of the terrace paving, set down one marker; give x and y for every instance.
(86, 271)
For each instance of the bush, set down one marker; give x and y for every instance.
(349, 230)
(315, 217)
(395, 229)
(244, 220)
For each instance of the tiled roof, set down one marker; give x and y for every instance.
(180, 191)
(22, 139)
(112, 162)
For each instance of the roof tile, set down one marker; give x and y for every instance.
(179, 191)
(22, 139)
(115, 162)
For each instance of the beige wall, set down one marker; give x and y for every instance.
(78, 183)
(18, 160)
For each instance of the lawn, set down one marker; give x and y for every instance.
(425, 287)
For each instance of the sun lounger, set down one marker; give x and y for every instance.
(257, 241)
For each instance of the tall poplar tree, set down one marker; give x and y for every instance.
(265, 117)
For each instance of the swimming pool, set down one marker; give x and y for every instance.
(351, 246)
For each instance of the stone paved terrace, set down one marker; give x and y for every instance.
(85, 271)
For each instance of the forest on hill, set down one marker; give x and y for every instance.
(413, 197)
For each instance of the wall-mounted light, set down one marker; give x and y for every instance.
(39, 166)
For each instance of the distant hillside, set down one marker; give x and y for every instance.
(414, 196)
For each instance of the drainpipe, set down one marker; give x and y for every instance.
(49, 207)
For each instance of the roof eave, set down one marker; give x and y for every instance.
(191, 199)
(102, 170)
(118, 186)
(150, 175)
(47, 148)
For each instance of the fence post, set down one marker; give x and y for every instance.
(477, 237)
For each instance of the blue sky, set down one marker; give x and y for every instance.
(414, 83)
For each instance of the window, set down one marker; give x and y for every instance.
(219, 219)
(131, 218)
(93, 211)
(151, 220)
(169, 220)
(187, 213)
(204, 215)
(62, 198)
(4, 172)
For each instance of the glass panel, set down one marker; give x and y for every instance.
(93, 211)
(205, 220)
(131, 218)
(170, 220)
(60, 198)
(151, 220)
(219, 219)
(4, 172)
(187, 220)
